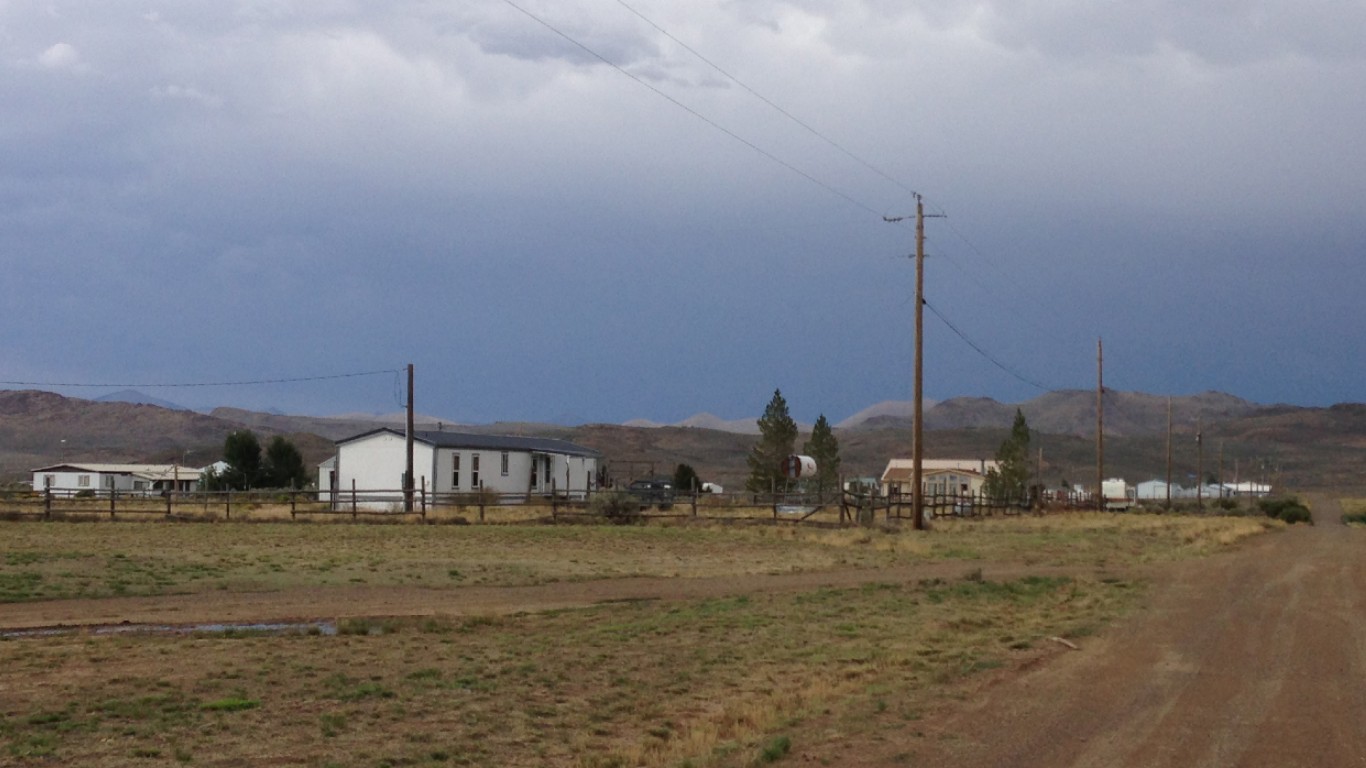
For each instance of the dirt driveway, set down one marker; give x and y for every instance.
(1253, 658)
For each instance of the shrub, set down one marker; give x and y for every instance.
(617, 506)
(1288, 510)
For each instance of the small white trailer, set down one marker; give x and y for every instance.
(1118, 494)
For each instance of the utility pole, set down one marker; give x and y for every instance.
(918, 394)
(1100, 425)
(1199, 466)
(1169, 451)
(408, 439)
(1221, 469)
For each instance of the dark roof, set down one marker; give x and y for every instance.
(441, 438)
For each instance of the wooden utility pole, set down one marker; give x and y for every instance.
(918, 394)
(1199, 466)
(918, 429)
(1100, 425)
(1169, 451)
(408, 471)
(1221, 469)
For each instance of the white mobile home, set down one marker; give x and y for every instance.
(125, 478)
(457, 462)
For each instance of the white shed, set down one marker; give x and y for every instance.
(458, 462)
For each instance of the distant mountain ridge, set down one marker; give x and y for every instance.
(139, 398)
(1068, 412)
(1294, 447)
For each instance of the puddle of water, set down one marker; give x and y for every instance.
(257, 628)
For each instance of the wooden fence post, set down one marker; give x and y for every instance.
(353, 498)
(227, 505)
(554, 501)
(169, 496)
(292, 510)
(112, 493)
(423, 502)
(47, 503)
(481, 501)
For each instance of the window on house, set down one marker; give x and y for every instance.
(505, 463)
(455, 470)
(49, 481)
(547, 470)
(83, 481)
(474, 471)
(534, 478)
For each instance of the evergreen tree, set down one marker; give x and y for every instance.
(242, 452)
(284, 465)
(685, 479)
(777, 438)
(1011, 478)
(825, 449)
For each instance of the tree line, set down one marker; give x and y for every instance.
(280, 466)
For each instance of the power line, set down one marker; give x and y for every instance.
(183, 385)
(987, 355)
(827, 187)
(768, 101)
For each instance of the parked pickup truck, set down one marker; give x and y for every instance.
(658, 492)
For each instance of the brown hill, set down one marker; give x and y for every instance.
(38, 428)
(1073, 412)
(1290, 446)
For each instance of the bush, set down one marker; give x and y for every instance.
(617, 506)
(1288, 510)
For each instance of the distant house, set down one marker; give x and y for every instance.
(131, 478)
(457, 462)
(1156, 490)
(938, 477)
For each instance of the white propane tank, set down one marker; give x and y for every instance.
(796, 467)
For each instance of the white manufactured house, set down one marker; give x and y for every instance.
(70, 479)
(457, 462)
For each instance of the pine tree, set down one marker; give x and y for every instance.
(1011, 478)
(825, 449)
(685, 479)
(777, 438)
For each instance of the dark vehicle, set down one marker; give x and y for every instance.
(658, 492)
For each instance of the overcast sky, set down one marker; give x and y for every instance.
(202, 192)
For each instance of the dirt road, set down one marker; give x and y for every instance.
(1252, 658)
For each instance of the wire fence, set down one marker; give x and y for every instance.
(828, 508)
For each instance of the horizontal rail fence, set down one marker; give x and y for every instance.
(831, 508)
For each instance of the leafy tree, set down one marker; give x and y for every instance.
(284, 465)
(242, 452)
(825, 449)
(1011, 478)
(777, 437)
(686, 479)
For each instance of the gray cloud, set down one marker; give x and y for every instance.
(458, 186)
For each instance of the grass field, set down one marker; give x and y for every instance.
(736, 681)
